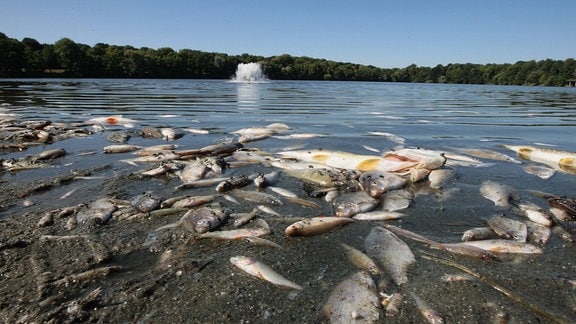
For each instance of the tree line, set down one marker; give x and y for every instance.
(66, 58)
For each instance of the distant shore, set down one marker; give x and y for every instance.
(67, 59)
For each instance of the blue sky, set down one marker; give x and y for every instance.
(381, 33)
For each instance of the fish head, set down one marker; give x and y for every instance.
(346, 209)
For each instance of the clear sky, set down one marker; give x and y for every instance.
(384, 33)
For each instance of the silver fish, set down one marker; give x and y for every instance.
(396, 200)
(121, 148)
(350, 204)
(478, 233)
(378, 215)
(391, 253)
(99, 211)
(232, 183)
(376, 183)
(50, 154)
(490, 154)
(171, 134)
(507, 228)
(540, 171)
(360, 260)
(354, 300)
(192, 201)
(564, 161)
(315, 226)
(269, 179)
(440, 177)
(498, 193)
(262, 271)
(503, 246)
(536, 214)
(262, 228)
(257, 197)
(193, 171)
(537, 233)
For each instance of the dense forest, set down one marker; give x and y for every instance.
(66, 58)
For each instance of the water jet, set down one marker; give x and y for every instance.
(249, 73)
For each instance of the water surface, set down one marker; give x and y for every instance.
(352, 116)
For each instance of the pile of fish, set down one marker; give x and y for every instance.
(354, 187)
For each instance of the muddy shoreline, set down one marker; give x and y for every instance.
(126, 271)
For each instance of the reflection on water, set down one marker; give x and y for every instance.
(249, 95)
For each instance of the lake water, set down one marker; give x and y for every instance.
(353, 117)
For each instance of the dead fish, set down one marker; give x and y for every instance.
(350, 204)
(478, 233)
(490, 154)
(258, 133)
(321, 177)
(283, 192)
(566, 206)
(193, 201)
(376, 183)
(315, 226)
(390, 253)
(157, 157)
(539, 170)
(243, 218)
(360, 260)
(262, 271)
(257, 197)
(509, 229)
(457, 248)
(203, 219)
(396, 200)
(161, 169)
(354, 300)
(151, 150)
(50, 154)
(345, 160)
(260, 229)
(536, 214)
(269, 179)
(111, 120)
(145, 202)
(193, 171)
(201, 183)
(503, 246)
(262, 241)
(121, 148)
(99, 212)
(431, 316)
(560, 160)
(251, 156)
(378, 215)
(538, 233)
(211, 150)
(440, 177)
(427, 159)
(418, 174)
(233, 183)
(170, 134)
(498, 193)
